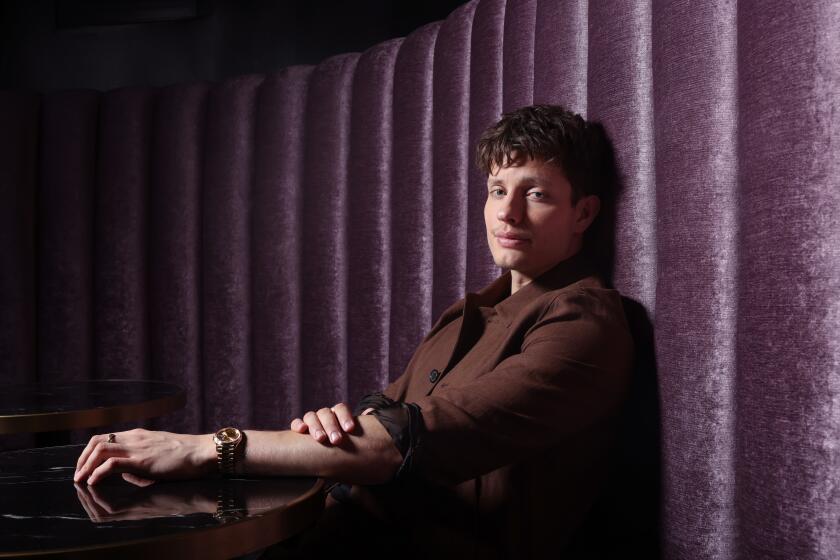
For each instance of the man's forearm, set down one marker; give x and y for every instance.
(365, 456)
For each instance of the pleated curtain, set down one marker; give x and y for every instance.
(289, 238)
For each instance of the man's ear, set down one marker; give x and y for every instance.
(586, 210)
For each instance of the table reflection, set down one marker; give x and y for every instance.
(41, 508)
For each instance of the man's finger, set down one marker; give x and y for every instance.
(315, 427)
(330, 424)
(299, 426)
(93, 458)
(89, 449)
(102, 452)
(110, 466)
(345, 416)
(137, 480)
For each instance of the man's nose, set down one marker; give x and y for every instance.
(510, 210)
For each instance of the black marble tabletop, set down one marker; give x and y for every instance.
(84, 404)
(42, 510)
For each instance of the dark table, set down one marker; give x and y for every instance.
(43, 514)
(84, 404)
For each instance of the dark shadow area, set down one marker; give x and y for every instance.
(49, 45)
(638, 491)
(625, 522)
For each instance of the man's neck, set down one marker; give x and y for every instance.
(517, 281)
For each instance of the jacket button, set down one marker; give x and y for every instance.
(434, 375)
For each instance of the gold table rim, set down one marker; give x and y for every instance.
(93, 417)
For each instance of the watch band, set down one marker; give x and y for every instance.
(226, 458)
(227, 441)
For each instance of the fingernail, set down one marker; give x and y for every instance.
(319, 434)
(334, 437)
(348, 425)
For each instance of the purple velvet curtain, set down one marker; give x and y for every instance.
(288, 239)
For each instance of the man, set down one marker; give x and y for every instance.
(496, 440)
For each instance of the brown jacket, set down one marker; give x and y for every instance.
(519, 397)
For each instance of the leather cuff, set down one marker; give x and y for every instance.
(404, 423)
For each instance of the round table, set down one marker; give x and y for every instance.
(44, 514)
(84, 404)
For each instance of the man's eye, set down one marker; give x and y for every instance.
(497, 191)
(536, 195)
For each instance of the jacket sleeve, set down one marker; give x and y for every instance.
(403, 423)
(571, 373)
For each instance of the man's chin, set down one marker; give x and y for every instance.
(507, 263)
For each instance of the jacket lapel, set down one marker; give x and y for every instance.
(472, 327)
(468, 333)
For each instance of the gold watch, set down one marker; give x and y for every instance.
(227, 440)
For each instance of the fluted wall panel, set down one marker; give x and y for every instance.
(277, 242)
(412, 187)
(174, 254)
(485, 105)
(227, 205)
(561, 53)
(64, 251)
(451, 156)
(324, 245)
(368, 241)
(695, 100)
(120, 211)
(620, 95)
(787, 387)
(518, 54)
(19, 114)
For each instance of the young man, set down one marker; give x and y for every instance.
(496, 439)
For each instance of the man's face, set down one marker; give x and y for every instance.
(531, 222)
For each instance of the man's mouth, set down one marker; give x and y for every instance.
(511, 240)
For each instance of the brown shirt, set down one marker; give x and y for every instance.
(519, 396)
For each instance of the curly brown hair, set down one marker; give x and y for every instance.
(553, 134)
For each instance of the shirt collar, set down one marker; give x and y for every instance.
(497, 294)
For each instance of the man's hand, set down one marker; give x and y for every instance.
(327, 422)
(146, 455)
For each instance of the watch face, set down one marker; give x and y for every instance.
(228, 435)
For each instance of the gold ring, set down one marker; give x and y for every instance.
(112, 438)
